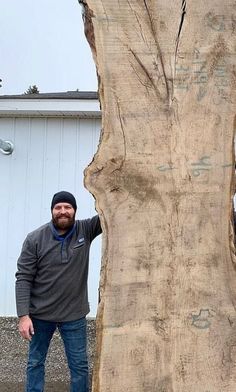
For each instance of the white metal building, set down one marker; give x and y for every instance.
(55, 137)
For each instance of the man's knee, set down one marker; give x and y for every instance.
(36, 361)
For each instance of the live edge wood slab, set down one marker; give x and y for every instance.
(163, 179)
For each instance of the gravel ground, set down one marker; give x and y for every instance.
(13, 358)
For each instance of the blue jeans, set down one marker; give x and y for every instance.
(74, 336)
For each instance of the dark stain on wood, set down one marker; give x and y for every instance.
(88, 25)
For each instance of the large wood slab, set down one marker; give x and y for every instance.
(163, 183)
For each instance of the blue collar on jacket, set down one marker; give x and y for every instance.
(58, 237)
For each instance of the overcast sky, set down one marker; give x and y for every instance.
(43, 43)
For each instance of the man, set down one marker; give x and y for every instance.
(51, 290)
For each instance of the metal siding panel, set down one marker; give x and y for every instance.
(18, 205)
(52, 156)
(36, 170)
(20, 178)
(6, 133)
(68, 154)
(85, 155)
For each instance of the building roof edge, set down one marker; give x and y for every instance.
(57, 95)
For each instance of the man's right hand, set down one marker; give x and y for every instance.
(26, 328)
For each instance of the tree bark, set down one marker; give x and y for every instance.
(163, 179)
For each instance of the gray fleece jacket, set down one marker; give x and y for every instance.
(51, 280)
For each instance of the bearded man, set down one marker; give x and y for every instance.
(51, 291)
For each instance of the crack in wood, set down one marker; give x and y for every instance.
(183, 12)
(138, 21)
(144, 69)
(158, 50)
(123, 132)
(183, 9)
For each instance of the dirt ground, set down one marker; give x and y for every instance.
(13, 356)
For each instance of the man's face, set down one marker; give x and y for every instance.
(63, 216)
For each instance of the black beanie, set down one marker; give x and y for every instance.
(64, 197)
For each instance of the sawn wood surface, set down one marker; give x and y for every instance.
(163, 179)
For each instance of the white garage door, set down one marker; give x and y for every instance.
(49, 155)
